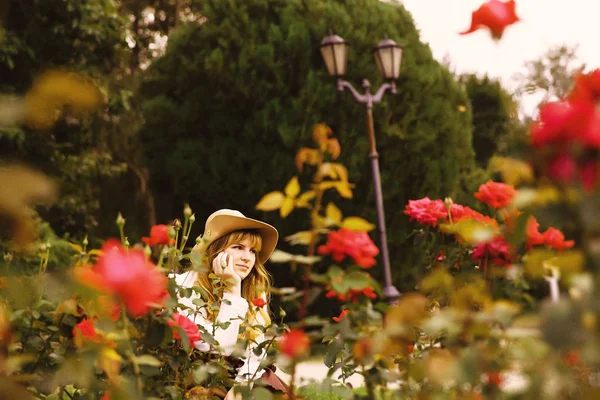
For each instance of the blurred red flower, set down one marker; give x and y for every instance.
(589, 175)
(347, 242)
(496, 194)
(341, 316)
(532, 233)
(497, 251)
(495, 15)
(294, 343)
(352, 295)
(561, 168)
(86, 329)
(556, 239)
(129, 276)
(188, 326)
(159, 234)
(426, 211)
(586, 88)
(494, 378)
(572, 358)
(259, 302)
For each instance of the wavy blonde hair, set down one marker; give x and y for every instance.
(257, 284)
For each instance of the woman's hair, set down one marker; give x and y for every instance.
(255, 285)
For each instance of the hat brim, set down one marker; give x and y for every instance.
(221, 225)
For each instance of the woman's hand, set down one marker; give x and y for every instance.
(223, 268)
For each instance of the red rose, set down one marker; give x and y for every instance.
(129, 276)
(556, 239)
(561, 168)
(497, 251)
(188, 326)
(495, 15)
(347, 242)
(426, 211)
(86, 329)
(159, 234)
(586, 88)
(533, 235)
(589, 175)
(494, 378)
(341, 316)
(294, 343)
(259, 302)
(496, 194)
(459, 213)
(572, 358)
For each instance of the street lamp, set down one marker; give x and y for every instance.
(388, 57)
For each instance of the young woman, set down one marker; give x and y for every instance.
(236, 249)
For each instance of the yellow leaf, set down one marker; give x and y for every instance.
(321, 134)
(533, 261)
(303, 237)
(513, 171)
(342, 172)
(292, 189)
(334, 215)
(76, 247)
(303, 200)
(271, 201)
(547, 194)
(286, 207)
(327, 170)
(308, 156)
(344, 189)
(357, 224)
(110, 363)
(567, 262)
(470, 230)
(334, 148)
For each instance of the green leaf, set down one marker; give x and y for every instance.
(333, 349)
(147, 359)
(261, 393)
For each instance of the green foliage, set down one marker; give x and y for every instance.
(492, 109)
(235, 96)
(81, 36)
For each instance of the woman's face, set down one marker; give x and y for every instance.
(244, 257)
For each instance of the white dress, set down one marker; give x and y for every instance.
(227, 338)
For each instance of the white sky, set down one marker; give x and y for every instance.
(544, 23)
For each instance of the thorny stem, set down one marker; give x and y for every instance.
(292, 393)
(136, 367)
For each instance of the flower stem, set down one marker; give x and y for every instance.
(136, 367)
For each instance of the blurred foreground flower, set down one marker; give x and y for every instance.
(52, 92)
(346, 242)
(495, 15)
(295, 344)
(128, 275)
(22, 187)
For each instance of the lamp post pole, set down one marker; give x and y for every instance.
(388, 57)
(390, 292)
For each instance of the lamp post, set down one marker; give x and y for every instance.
(388, 57)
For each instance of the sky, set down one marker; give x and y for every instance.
(545, 23)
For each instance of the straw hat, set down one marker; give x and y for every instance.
(225, 221)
